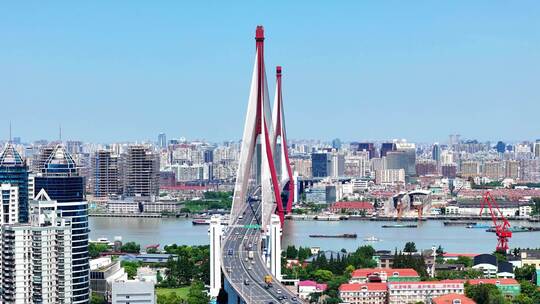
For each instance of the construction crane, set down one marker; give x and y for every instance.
(502, 226)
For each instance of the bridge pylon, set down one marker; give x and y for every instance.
(283, 164)
(256, 165)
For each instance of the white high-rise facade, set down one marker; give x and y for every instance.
(36, 257)
(275, 246)
(9, 197)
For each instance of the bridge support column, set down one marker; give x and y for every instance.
(275, 246)
(215, 231)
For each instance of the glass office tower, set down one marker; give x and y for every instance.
(14, 171)
(60, 178)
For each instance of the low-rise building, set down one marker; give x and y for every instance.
(384, 275)
(452, 298)
(140, 292)
(508, 287)
(123, 206)
(305, 288)
(365, 208)
(530, 257)
(412, 292)
(161, 206)
(491, 268)
(361, 293)
(103, 272)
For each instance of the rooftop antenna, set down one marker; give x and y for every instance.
(60, 132)
(10, 131)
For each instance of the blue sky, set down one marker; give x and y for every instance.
(127, 70)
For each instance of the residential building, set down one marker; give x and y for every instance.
(14, 171)
(305, 288)
(141, 177)
(133, 292)
(511, 169)
(449, 170)
(412, 292)
(362, 293)
(452, 298)
(9, 211)
(37, 256)
(106, 175)
(384, 275)
(426, 167)
(493, 170)
(470, 169)
(390, 176)
(58, 175)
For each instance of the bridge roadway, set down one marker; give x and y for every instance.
(246, 275)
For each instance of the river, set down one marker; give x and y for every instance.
(165, 231)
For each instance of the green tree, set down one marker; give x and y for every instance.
(196, 294)
(525, 273)
(484, 294)
(522, 299)
(131, 247)
(97, 299)
(291, 252)
(530, 290)
(130, 268)
(410, 247)
(466, 261)
(94, 249)
(323, 276)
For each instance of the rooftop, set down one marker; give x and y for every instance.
(365, 286)
(390, 272)
(452, 298)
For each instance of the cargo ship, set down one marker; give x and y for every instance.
(399, 226)
(345, 235)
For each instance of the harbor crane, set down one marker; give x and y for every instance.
(502, 226)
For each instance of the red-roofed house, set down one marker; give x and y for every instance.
(452, 298)
(305, 288)
(360, 293)
(412, 292)
(508, 287)
(384, 275)
(352, 207)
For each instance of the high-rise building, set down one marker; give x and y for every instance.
(9, 213)
(365, 146)
(449, 170)
(410, 155)
(387, 147)
(470, 169)
(493, 170)
(426, 167)
(337, 165)
(396, 160)
(141, 177)
(336, 143)
(106, 175)
(60, 179)
(162, 140)
(511, 169)
(36, 257)
(321, 164)
(436, 153)
(500, 147)
(14, 171)
(536, 148)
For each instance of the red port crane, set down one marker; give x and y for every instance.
(502, 226)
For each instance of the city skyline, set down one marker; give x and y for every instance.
(154, 65)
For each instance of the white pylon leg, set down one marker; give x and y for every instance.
(215, 231)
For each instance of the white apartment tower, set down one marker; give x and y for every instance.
(36, 256)
(9, 196)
